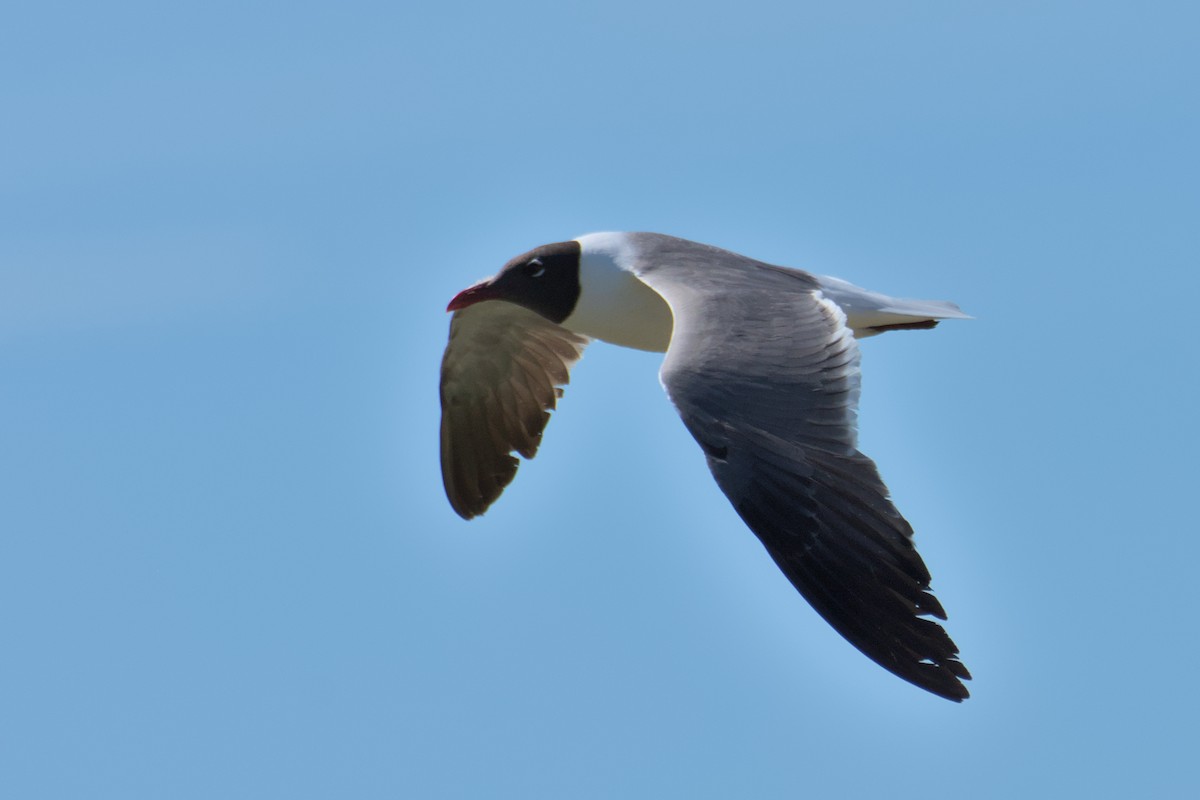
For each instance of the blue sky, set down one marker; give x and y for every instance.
(228, 232)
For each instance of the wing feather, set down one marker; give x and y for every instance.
(764, 372)
(502, 374)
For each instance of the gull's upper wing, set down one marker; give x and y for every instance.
(764, 372)
(501, 376)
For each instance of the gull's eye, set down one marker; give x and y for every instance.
(535, 268)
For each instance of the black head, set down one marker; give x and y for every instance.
(544, 280)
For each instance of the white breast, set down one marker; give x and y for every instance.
(614, 305)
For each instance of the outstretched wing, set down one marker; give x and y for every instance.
(764, 371)
(501, 376)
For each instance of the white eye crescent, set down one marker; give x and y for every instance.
(535, 268)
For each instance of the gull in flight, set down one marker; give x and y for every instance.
(762, 365)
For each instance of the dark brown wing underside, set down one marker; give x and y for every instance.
(501, 376)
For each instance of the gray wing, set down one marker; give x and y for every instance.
(501, 375)
(764, 372)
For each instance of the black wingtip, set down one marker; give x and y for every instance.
(923, 325)
(944, 679)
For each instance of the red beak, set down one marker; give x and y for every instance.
(471, 296)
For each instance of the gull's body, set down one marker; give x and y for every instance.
(762, 364)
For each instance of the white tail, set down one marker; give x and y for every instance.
(869, 313)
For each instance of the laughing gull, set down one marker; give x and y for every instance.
(762, 364)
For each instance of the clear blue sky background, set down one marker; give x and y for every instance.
(228, 232)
